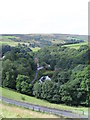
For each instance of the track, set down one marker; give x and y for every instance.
(42, 108)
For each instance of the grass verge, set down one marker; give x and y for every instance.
(12, 111)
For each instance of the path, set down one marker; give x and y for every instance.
(42, 108)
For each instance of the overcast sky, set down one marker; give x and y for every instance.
(44, 16)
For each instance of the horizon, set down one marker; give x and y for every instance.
(41, 34)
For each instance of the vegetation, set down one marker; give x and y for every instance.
(35, 49)
(11, 111)
(29, 99)
(41, 40)
(11, 43)
(69, 79)
(76, 46)
(65, 62)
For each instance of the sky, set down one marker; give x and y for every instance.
(44, 16)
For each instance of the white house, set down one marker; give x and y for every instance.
(44, 78)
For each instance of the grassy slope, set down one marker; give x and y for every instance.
(13, 44)
(17, 96)
(6, 40)
(76, 46)
(11, 111)
(35, 49)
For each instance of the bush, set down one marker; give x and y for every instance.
(23, 98)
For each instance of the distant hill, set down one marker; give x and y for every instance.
(41, 40)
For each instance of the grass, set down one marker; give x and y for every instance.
(11, 43)
(35, 49)
(76, 46)
(12, 111)
(57, 41)
(8, 37)
(17, 96)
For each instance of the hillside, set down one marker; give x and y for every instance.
(66, 68)
(76, 46)
(53, 75)
(28, 99)
(11, 111)
(42, 40)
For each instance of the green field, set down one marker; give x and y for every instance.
(35, 49)
(8, 40)
(8, 37)
(17, 96)
(76, 46)
(11, 111)
(12, 43)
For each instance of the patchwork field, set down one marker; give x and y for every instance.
(39, 41)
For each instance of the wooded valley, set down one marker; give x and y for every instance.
(66, 67)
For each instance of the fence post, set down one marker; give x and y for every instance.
(39, 110)
(83, 112)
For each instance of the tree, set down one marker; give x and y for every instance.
(50, 91)
(23, 84)
(9, 74)
(73, 91)
(37, 89)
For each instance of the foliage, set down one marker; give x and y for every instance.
(32, 100)
(67, 68)
(23, 84)
(37, 90)
(17, 62)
